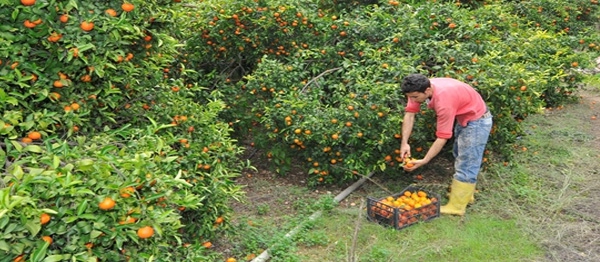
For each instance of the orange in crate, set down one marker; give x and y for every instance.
(403, 209)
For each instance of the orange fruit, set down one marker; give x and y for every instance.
(335, 136)
(107, 204)
(44, 218)
(219, 220)
(26, 140)
(29, 24)
(145, 232)
(127, 7)
(47, 239)
(35, 135)
(86, 26)
(207, 244)
(231, 259)
(57, 84)
(111, 12)
(409, 164)
(19, 258)
(126, 192)
(75, 106)
(28, 2)
(54, 96)
(64, 18)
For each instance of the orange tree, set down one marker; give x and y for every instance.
(320, 83)
(77, 64)
(105, 155)
(127, 193)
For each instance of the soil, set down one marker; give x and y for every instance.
(572, 240)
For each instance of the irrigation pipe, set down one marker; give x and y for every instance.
(264, 256)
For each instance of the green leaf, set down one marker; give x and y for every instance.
(170, 159)
(82, 207)
(18, 172)
(17, 146)
(53, 258)
(33, 148)
(49, 211)
(2, 213)
(33, 227)
(4, 246)
(35, 171)
(55, 162)
(40, 252)
(95, 234)
(15, 14)
(85, 47)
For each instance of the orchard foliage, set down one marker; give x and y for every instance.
(97, 137)
(126, 115)
(319, 82)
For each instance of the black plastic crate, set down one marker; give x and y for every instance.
(400, 212)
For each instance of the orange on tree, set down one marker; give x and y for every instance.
(47, 239)
(44, 218)
(54, 96)
(28, 2)
(107, 204)
(34, 135)
(126, 192)
(87, 26)
(231, 259)
(64, 18)
(127, 7)
(57, 84)
(29, 24)
(145, 232)
(111, 12)
(19, 258)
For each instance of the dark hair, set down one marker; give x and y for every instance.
(415, 83)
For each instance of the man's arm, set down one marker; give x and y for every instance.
(407, 126)
(435, 149)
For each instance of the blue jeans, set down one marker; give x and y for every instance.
(468, 148)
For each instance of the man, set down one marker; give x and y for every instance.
(460, 111)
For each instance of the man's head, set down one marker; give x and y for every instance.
(416, 87)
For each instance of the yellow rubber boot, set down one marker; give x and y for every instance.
(460, 195)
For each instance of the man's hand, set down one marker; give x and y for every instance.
(413, 164)
(405, 151)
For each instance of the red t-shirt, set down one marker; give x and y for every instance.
(451, 99)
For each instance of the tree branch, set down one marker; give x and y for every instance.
(319, 76)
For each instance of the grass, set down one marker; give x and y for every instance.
(540, 207)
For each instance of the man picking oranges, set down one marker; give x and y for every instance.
(460, 112)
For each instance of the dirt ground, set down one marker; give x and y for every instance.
(574, 234)
(569, 239)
